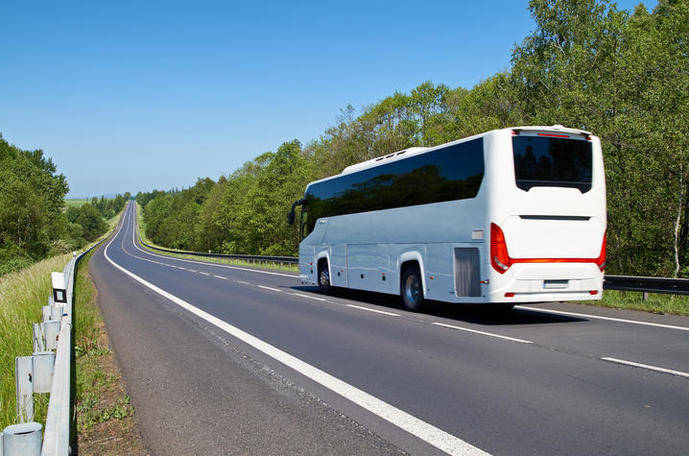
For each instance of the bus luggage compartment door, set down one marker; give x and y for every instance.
(338, 265)
(368, 267)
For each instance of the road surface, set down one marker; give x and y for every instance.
(232, 360)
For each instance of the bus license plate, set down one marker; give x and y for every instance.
(555, 284)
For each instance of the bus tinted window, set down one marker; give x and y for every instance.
(552, 162)
(451, 173)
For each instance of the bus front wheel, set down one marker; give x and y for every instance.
(412, 289)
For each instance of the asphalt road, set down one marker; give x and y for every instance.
(229, 360)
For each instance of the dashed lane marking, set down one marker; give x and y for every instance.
(372, 310)
(647, 366)
(270, 288)
(513, 339)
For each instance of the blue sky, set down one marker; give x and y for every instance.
(129, 96)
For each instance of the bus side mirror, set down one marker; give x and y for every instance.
(291, 216)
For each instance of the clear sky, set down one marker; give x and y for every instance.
(129, 96)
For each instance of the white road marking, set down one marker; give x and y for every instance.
(599, 317)
(192, 270)
(204, 273)
(647, 366)
(183, 269)
(513, 339)
(242, 282)
(219, 277)
(269, 288)
(427, 432)
(372, 310)
(309, 296)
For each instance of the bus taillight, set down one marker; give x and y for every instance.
(600, 261)
(499, 257)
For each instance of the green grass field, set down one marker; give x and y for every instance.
(76, 202)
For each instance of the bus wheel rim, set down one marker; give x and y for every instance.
(411, 289)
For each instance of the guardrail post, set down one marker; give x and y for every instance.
(23, 376)
(51, 329)
(46, 313)
(38, 339)
(22, 439)
(56, 312)
(43, 365)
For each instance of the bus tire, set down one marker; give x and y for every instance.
(411, 288)
(324, 276)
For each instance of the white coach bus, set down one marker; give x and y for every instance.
(508, 216)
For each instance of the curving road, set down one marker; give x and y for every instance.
(231, 360)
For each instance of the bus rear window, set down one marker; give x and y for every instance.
(552, 162)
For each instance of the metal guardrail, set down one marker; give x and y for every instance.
(647, 284)
(48, 370)
(249, 258)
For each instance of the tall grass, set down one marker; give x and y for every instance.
(22, 296)
(654, 302)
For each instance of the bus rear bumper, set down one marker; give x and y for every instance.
(548, 282)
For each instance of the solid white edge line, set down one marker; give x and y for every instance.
(372, 310)
(647, 366)
(419, 428)
(269, 288)
(513, 339)
(600, 317)
(310, 297)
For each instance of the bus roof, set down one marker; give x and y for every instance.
(405, 153)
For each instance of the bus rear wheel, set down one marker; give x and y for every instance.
(412, 289)
(323, 276)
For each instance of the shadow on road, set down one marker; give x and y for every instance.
(481, 314)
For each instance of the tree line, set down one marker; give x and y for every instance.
(622, 75)
(33, 222)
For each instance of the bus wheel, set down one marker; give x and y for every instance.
(323, 276)
(411, 289)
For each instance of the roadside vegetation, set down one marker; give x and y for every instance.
(22, 297)
(34, 223)
(209, 259)
(654, 302)
(622, 75)
(105, 421)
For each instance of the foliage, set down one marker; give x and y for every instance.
(33, 222)
(623, 76)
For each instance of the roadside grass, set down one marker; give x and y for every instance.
(105, 417)
(654, 303)
(227, 261)
(112, 221)
(75, 202)
(22, 297)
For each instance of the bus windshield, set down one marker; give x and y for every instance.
(552, 162)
